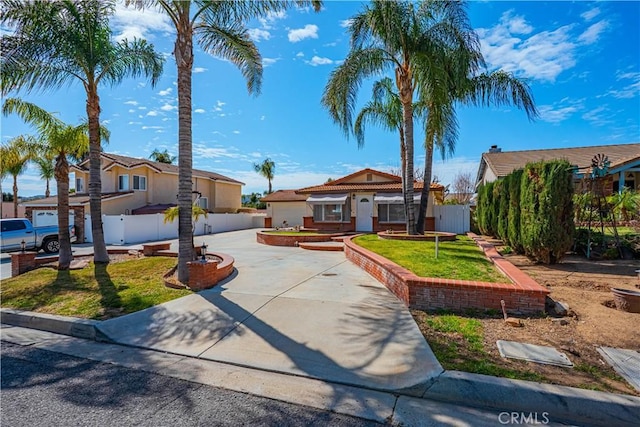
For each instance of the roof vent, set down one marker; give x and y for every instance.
(495, 149)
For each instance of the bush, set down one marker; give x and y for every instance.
(546, 204)
(502, 219)
(513, 211)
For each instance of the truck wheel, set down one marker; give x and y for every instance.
(51, 245)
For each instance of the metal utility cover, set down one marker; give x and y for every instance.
(625, 362)
(533, 353)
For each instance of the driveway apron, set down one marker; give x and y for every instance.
(290, 310)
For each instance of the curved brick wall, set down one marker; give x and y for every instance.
(426, 293)
(289, 240)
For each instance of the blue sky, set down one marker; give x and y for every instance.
(582, 60)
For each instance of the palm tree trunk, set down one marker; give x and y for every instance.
(15, 196)
(406, 97)
(426, 187)
(403, 154)
(184, 59)
(100, 255)
(62, 185)
(270, 190)
(47, 193)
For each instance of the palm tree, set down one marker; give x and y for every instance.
(56, 140)
(219, 28)
(16, 156)
(47, 168)
(441, 128)
(403, 38)
(162, 156)
(267, 169)
(57, 42)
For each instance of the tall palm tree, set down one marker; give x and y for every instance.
(47, 168)
(219, 28)
(57, 42)
(267, 169)
(402, 38)
(162, 156)
(59, 141)
(17, 153)
(441, 127)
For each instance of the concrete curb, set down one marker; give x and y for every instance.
(559, 402)
(72, 326)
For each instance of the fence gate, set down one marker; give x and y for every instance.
(452, 218)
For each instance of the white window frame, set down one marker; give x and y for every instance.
(385, 206)
(79, 185)
(141, 178)
(121, 188)
(320, 212)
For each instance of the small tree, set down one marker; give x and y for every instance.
(462, 188)
(172, 213)
(162, 156)
(267, 169)
(547, 210)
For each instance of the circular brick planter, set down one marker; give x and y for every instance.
(274, 239)
(427, 237)
(626, 300)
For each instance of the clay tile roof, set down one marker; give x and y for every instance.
(284, 196)
(383, 187)
(129, 162)
(503, 163)
(76, 199)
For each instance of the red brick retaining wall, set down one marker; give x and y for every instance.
(525, 296)
(274, 239)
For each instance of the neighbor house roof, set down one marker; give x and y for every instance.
(284, 196)
(132, 162)
(77, 199)
(502, 163)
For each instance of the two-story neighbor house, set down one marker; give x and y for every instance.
(133, 186)
(624, 159)
(367, 200)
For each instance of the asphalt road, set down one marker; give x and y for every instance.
(42, 388)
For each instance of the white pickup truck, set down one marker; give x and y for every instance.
(14, 231)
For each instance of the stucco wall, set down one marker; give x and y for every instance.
(292, 212)
(227, 198)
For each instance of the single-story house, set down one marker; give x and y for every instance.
(133, 186)
(624, 167)
(367, 200)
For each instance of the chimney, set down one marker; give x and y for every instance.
(495, 149)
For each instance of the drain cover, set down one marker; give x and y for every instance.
(329, 274)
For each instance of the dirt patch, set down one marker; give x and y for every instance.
(592, 321)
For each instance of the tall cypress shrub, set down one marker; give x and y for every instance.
(546, 206)
(495, 206)
(481, 208)
(503, 209)
(513, 214)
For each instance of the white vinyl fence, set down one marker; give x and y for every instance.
(127, 229)
(452, 218)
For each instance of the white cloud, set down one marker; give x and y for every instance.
(346, 23)
(552, 114)
(269, 61)
(152, 113)
(132, 110)
(142, 108)
(165, 92)
(168, 107)
(197, 70)
(131, 102)
(541, 56)
(199, 111)
(630, 90)
(258, 34)
(202, 151)
(309, 31)
(596, 116)
(317, 60)
(271, 18)
(592, 33)
(299, 55)
(220, 103)
(262, 118)
(590, 14)
(130, 23)
(237, 132)
(152, 127)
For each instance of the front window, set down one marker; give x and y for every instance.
(203, 202)
(79, 185)
(391, 212)
(139, 182)
(123, 182)
(328, 213)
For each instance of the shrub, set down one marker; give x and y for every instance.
(513, 211)
(546, 204)
(503, 209)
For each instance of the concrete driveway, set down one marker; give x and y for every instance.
(290, 310)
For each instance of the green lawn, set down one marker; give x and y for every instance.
(461, 259)
(95, 292)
